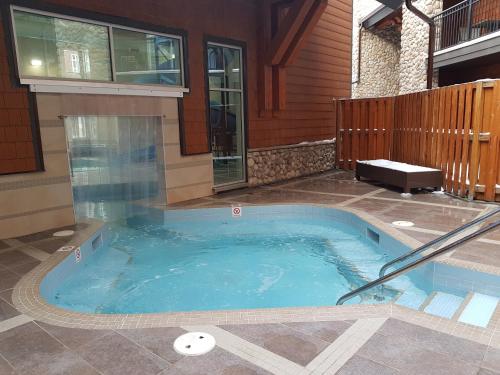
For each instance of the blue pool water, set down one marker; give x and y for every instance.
(208, 260)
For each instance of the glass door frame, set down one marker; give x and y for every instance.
(241, 47)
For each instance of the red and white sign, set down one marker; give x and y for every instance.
(78, 255)
(236, 211)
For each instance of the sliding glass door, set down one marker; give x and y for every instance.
(227, 131)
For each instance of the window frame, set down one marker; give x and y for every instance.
(49, 83)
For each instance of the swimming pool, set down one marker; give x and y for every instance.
(206, 259)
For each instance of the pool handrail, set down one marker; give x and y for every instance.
(435, 241)
(418, 262)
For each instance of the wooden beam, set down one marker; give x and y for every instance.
(264, 71)
(288, 30)
(304, 31)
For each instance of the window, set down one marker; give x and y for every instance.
(53, 47)
(146, 58)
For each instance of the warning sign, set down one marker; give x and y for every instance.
(78, 255)
(236, 211)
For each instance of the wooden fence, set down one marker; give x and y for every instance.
(455, 129)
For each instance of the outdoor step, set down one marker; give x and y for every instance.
(411, 300)
(479, 310)
(444, 305)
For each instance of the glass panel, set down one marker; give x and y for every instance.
(224, 67)
(116, 164)
(215, 67)
(58, 48)
(146, 58)
(227, 136)
(232, 68)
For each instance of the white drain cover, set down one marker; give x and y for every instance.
(64, 233)
(402, 223)
(194, 343)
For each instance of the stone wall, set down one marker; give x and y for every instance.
(379, 73)
(266, 165)
(414, 47)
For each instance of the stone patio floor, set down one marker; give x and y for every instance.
(380, 345)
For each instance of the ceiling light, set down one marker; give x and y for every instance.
(36, 62)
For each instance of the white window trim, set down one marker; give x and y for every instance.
(85, 87)
(40, 84)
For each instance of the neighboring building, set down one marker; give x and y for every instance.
(394, 44)
(162, 101)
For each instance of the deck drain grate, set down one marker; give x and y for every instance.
(194, 343)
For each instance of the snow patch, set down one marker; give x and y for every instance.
(396, 165)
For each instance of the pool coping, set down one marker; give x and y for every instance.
(28, 300)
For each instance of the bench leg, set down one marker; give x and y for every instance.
(358, 177)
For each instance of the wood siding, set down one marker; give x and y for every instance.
(320, 73)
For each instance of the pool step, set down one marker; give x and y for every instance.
(476, 309)
(479, 310)
(444, 305)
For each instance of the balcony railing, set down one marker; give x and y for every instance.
(466, 21)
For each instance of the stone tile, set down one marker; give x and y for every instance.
(216, 362)
(453, 346)
(408, 357)
(15, 258)
(52, 244)
(114, 354)
(49, 233)
(296, 346)
(492, 359)
(5, 368)
(336, 186)
(328, 331)
(73, 338)
(160, 341)
(8, 279)
(6, 296)
(359, 365)
(479, 252)
(23, 269)
(285, 196)
(7, 311)
(484, 371)
(3, 245)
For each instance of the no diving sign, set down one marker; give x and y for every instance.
(236, 211)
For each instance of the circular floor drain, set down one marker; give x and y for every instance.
(194, 343)
(64, 233)
(402, 223)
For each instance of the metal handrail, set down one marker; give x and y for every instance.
(418, 262)
(440, 239)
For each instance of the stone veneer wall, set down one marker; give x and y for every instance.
(414, 47)
(270, 164)
(379, 73)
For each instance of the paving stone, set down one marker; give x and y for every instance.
(328, 331)
(358, 365)
(289, 343)
(160, 341)
(5, 368)
(435, 341)
(492, 359)
(484, 371)
(73, 338)
(216, 362)
(15, 258)
(113, 354)
(408, 357)
(8, 279)
(7, 311)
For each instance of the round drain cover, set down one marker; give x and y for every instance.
(64, 233)
(194, 343)
(402, 223)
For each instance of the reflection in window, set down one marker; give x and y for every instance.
(54, 48)
(146, 58)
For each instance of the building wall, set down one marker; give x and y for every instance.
(379, 69)
(414, 47)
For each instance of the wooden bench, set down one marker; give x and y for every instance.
(405, 176)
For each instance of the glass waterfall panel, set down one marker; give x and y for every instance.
(116, 164)
(50, 47)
